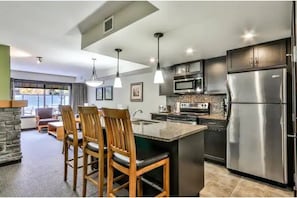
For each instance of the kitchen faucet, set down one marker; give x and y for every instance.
(134, 113)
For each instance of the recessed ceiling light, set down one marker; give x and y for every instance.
(189, 51)
(152, 59)
(248, 35)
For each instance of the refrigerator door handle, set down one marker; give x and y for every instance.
(229, 102)
(291, 136)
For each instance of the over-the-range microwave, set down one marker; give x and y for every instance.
(188, 84)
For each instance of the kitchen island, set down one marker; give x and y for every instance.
(185, 144)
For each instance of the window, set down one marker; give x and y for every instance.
(40, 95)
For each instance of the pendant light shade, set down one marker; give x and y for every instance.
(117, 80)
(158, 79)
(94, 82)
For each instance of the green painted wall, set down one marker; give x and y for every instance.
(4, 72)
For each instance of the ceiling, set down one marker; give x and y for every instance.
(50, 30)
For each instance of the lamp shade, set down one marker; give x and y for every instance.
(158, 79)
(117, 82)
(94, 82)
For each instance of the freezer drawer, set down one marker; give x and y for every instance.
(256, 140)
(265, 86)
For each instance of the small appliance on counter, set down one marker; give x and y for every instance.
(164, 108)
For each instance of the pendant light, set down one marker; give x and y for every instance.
(158, 79)
(117, 80)
(94, 82)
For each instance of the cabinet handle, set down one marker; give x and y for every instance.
(251, 61)
(256, 61)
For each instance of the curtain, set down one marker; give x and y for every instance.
(79, 95)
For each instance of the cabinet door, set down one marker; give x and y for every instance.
(215, 75)
(215, 140)
(166, 89)
(195, 67)
(270, 54)
(181, 69)
(240, 59)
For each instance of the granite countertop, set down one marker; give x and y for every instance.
(214, 117)
(166, 131)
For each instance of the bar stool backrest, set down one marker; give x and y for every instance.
(120, 138)
(69, 122)
(91, 126)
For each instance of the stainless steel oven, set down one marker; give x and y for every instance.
(193, 120)
(188, 84)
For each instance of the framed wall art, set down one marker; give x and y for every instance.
(136, 92)
(99, 93)
(108, 93)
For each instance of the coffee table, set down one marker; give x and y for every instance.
(56, 129)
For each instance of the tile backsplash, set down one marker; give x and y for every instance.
(216, 101)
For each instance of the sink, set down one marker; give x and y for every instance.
(144, 122)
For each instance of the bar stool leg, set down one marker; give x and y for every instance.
(65, 161)
(75, 153)
(166, 182)
(85, 172)
(109, 179)
(132, 184)
(139, 187)
(100, 175)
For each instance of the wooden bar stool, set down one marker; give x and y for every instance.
(123, 157)
(93, 145)
(71, 138)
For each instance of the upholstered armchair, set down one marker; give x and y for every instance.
(43, 117)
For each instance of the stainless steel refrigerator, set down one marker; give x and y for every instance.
(257, 124)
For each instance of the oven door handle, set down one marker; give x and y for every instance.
(182, 121)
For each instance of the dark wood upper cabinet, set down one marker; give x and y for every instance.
(240, 59)
(270, 54)
(189, 67)
(166, 88)
(265, 55)
(215, 75)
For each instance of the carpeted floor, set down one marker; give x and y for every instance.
(41, 171)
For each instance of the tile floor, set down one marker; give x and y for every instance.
(41, 174)
(219, 182)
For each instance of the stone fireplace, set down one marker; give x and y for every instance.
(10, 131)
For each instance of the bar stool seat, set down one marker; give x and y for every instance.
(79, 137)
(143, 158)
(95, 147)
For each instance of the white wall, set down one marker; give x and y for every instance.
(151, 98)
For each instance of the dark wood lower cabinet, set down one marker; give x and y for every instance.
(215, 140)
